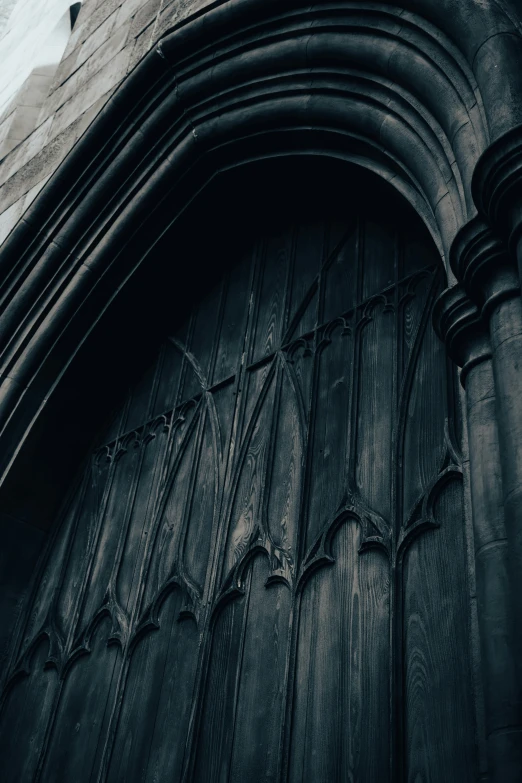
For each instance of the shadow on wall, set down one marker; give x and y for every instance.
(20, 117)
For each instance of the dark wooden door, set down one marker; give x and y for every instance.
(262, 575)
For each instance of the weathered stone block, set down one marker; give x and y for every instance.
(142, 44)
(10, 217)
(5, 124)
(86, 71)
(128, 9)
(43, 164)
(98, 37)
(108, 77)
(65, 69)
(34, 90)
(31, 195)
(175, 12)
(144, 17)
(87, 23)
(25, 151)
(24, 120)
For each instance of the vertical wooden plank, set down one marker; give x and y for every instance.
(423, 439)
(248, 486)
(24, 719)
(140, 521)
(283, 494)
(341, 271)
(53, 570)
(256, 382)
(204, 335)
(170, 373)
(235, 310)
(376, 408)
(440, 741)
(137, 412)
(224, 399)
(272, 294)
(240, 732)
(165, 552)
(258, 720)
(201, 508)
(216, 726)
(151, 733)
(307, 255)
(112, 528)
(380, 256)
(329, 472)
(80, 556)
(414, 294)
(81, 715)
(340, 728)
(300, 361)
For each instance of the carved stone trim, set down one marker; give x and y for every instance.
(482, 263)
(459, 325)
(497, 185)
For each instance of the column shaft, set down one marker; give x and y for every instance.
(458, 322)
(492, 579)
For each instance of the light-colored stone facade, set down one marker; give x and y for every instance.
(108, 40)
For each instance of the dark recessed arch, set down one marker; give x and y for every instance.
(400, 93)
(115, 330)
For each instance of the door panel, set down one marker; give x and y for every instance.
(160, 683)
(434, 637)
(26, 709)
(341, 726)
(82, 711)
(262, 573)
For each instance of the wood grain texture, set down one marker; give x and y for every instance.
(159, 684)
(113, 528)
(214, 608)
(215, 729)
(250, 482)
(259, 708)
(85, 532)
(341, 280)
(438, 714)
(285, 468)
(332, 426)
(308, 253)
(128, 573)
(341, 723)
(81, 717)
(25, 716)
(277, 251)
(424, 444)
(376, 400)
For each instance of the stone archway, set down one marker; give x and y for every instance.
(342, 78)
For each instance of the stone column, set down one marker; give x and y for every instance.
(497, 190)
(489, 275)
(458, 323)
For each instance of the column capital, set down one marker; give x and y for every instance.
(481, 262)
(459, 325)
(497, 185)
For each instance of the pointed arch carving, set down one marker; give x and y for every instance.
(394, 90)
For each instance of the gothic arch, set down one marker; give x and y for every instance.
(374, 84)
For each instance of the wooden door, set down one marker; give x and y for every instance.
(262, 574)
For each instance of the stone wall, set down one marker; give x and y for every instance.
(108, 40)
